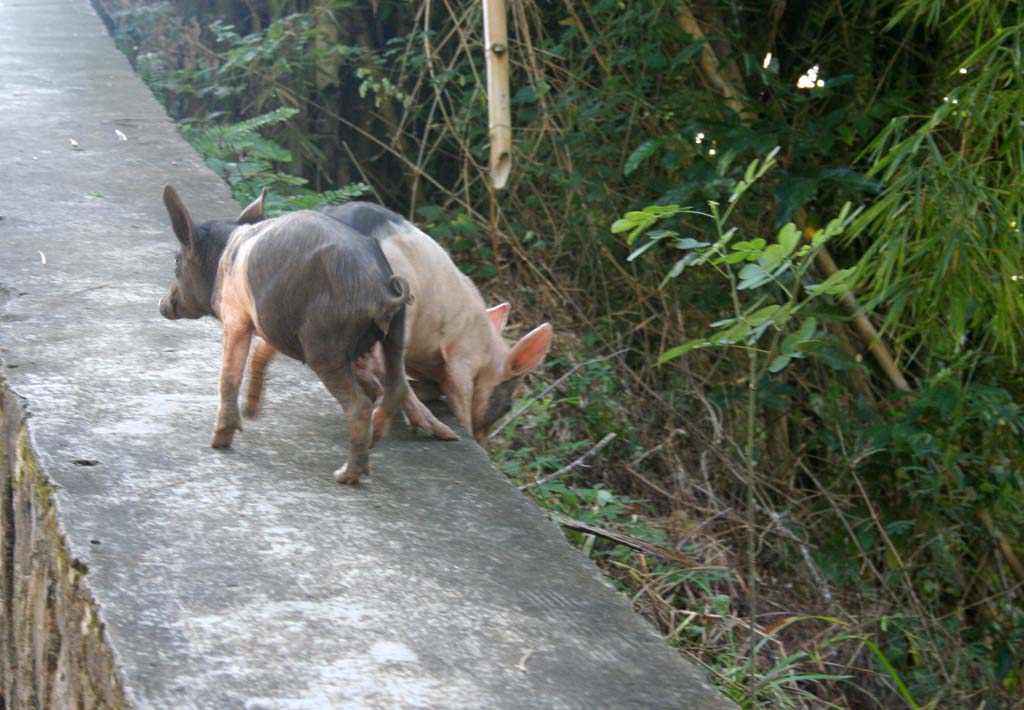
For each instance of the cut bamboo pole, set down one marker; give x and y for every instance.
(499, 112)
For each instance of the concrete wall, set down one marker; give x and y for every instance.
(54, 651)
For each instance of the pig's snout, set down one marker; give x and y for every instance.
(169, 306)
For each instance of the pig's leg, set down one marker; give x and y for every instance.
(395, 385)
(341, 383)
(422, 418)
(367, 380)
(458, 389)
(237, 338)
(261, 357)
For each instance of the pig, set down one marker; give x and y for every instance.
(310, 287)
(453, 341)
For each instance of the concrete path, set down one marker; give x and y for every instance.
(143, 569)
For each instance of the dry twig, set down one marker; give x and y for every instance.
(575, 464)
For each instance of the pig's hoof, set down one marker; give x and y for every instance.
(343, 475)
(222, 437)
(429, 424)
(443, 432)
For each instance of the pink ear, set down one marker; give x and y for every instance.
(499, 316)
(530, 350)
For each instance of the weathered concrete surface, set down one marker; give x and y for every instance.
(142, 568)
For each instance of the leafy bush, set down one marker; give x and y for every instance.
(247, 161)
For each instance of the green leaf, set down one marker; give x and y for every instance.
(662, 233)
(789, 344)
(779, 364)
(807, 329)
(735, 257)
(792, 193)
(772, 256)
(783, 315)
(688, 243)
(835, 358)
(677, 268)
(748, 176)
(736, 333)
(835, 226)
(762, 315)
(836, 284)
(621, 225)
(789, 237)
(690, 50)
(642, 153)
(675, 352)
(753, 244)
(852, 180)
(752, 276)
(641, 250)
(637, 231)
(900, 686)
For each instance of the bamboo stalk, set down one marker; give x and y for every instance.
(499, 111)
(710, 65)
(861, 323)
(1002, 543)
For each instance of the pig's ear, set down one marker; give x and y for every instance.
(254, 212)
(499, 316)
(180, 221)
(530, 350)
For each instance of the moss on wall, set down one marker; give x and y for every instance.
(54, 650)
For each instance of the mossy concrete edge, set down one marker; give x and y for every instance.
(55, 650)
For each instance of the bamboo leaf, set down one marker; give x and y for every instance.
(639, 155)
(679, 350)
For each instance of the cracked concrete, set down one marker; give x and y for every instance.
(169, 575)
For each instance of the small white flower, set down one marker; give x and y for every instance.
(809, 80)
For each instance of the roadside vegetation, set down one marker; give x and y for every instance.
(781, 246)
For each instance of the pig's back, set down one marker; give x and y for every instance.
(447, 305)
(309, 273)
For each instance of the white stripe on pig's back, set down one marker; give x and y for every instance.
(236, 258)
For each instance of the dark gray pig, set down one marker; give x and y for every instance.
(313, 289)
